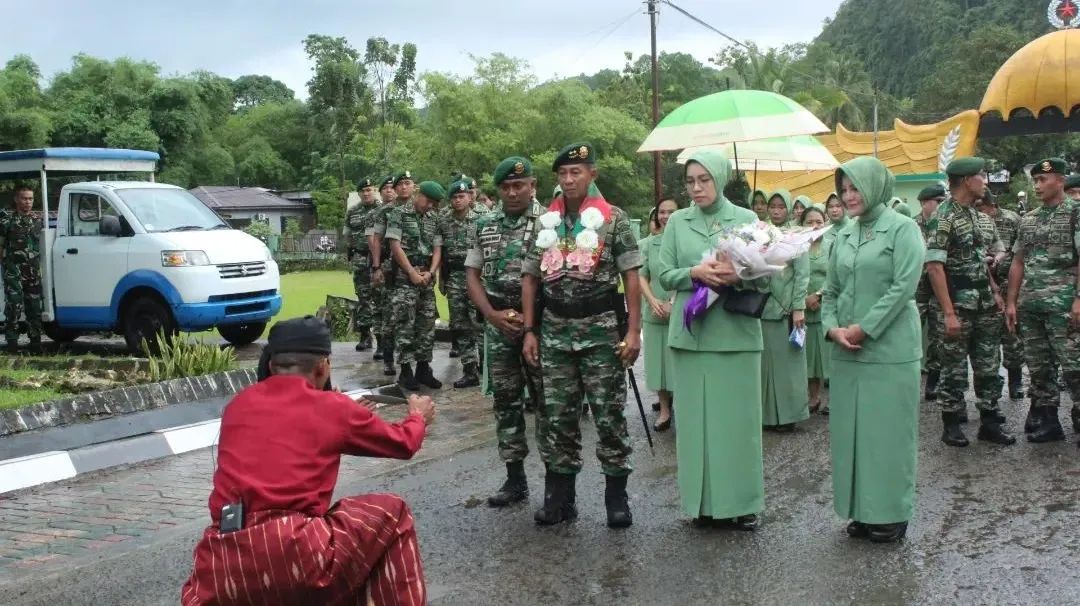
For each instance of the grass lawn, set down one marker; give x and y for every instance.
(305, 292)
(14, 398)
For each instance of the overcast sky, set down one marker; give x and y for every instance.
(237, 37)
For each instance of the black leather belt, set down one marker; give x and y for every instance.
(586, 308)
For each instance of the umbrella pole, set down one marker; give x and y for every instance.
(755, 175)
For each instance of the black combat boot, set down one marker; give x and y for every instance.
(378, 355)
(388, 363)
(990, 429)
(12, 346)
(515, 489)
(471, 378)
(887, 533)
(1032, 420)
(424, 376)
(35, 347)
(932, 378)
(1075, 414)
(558, 506)
(406, 379)
(1049, 429)
(365, 339)
(617, 502)
(952, 434)
(1016, 384)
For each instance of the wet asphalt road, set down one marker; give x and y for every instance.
(994, 525)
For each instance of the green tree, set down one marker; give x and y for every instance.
(261, 166)
(338, 96)
(24, 119)
(253, 90)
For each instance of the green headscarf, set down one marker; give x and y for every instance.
(818, 207)
(804, 200)
(784, 195)
(873, 180)
(903, 208)
(718, 165)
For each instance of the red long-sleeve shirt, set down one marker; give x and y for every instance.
(281, 444)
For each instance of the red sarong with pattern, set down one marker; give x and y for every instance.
(363, 551)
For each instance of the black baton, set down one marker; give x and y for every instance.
(640, 407)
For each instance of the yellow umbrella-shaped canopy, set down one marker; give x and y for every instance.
(1041, 79)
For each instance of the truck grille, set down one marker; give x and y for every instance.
(242, 270)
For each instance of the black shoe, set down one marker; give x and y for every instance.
(952, 434)
(656, 406)
(424, 376)
(887, 533)
(747, 522)
(1032, 420)
(34, 348)
(514, 490)
(1049, 429)
(662, 426)
(407, 379)
(1016, 384)
(857, 530)
(388, 363)
(378, 355)
(12, 347)
(454, 353)
(617, 502)
(558, 502)
(470, 379)
(932, 378)
(990, 429)
(1075, 414)
(785, 428)
(365, 340)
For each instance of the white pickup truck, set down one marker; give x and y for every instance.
(138, 257)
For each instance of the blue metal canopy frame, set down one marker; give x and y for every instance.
(70, 161)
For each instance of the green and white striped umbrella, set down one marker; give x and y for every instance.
(779, 154)
(732, 116)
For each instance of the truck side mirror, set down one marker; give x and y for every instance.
(109, 225)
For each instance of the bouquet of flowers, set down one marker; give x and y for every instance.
(567, 251)
(756, 250)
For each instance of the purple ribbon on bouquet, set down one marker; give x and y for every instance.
(697, 304)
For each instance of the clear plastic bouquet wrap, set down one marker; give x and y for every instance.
(756, 250)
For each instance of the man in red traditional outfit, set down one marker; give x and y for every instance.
(274, 537)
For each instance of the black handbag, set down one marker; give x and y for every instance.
(745, 302)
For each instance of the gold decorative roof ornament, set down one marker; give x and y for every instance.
(1044, 74)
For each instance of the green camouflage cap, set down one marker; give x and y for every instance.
(1072, 181)
(514, 167)
(461, 186)
(432, 190)
(405, 174)
(932, 191)
(965, 167)
(575, 153)
(1050, 166)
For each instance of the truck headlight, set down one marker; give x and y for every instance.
(183, 258)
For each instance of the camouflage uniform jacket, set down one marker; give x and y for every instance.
(356, 220)
(960, 238)
(1048, 242)
(571, 286)
(923, 292)
(1007, 224)
(19, 238)
(418, 234)
(499, 246)
(457, 237)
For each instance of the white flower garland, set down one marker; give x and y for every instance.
(587, 240)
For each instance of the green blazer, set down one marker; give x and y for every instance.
(649, 247)
(686, 239)
(788, 290)
(819, 264)
(871, 281)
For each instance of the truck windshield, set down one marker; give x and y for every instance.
(160, 209)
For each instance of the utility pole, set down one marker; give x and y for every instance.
(657, 185)
(875, 121)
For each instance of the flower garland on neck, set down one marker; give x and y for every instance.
(560, 253)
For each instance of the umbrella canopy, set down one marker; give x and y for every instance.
(732, 116)
(779, 154)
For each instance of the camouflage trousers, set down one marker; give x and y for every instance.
(1049, 341)
(931, 338)
(463, 324)
(369, 307)
(1012, 345)
(568, 377)
(22, 296)
(509, 375)
(980, 342)
(413, 320)
(385, 327)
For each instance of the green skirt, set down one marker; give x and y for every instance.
(658, 368)
(718, 433)
(783, 377)
(874, 439)
(817, 352)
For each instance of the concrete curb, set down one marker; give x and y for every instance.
(104, 404)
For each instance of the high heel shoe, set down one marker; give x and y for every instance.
(887, 533)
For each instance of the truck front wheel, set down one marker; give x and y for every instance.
(242, 334)
(58, 334)
(144, 319)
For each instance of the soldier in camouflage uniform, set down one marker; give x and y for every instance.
(416, 248)
(387, 196)
(493, 270)
(968, 304)
(1044, 270)
(1072, 187)
(457, 226)
(586, 248)
(929, 199)
(1012, 349)
(382, 265)
(368, 310)
(20, 258)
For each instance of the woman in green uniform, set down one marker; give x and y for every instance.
(718, 359)
(783, 365)
(817, 349)
(869, 313)
(799, 207)
(759, 201)
(656, 311)
(834, 210)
